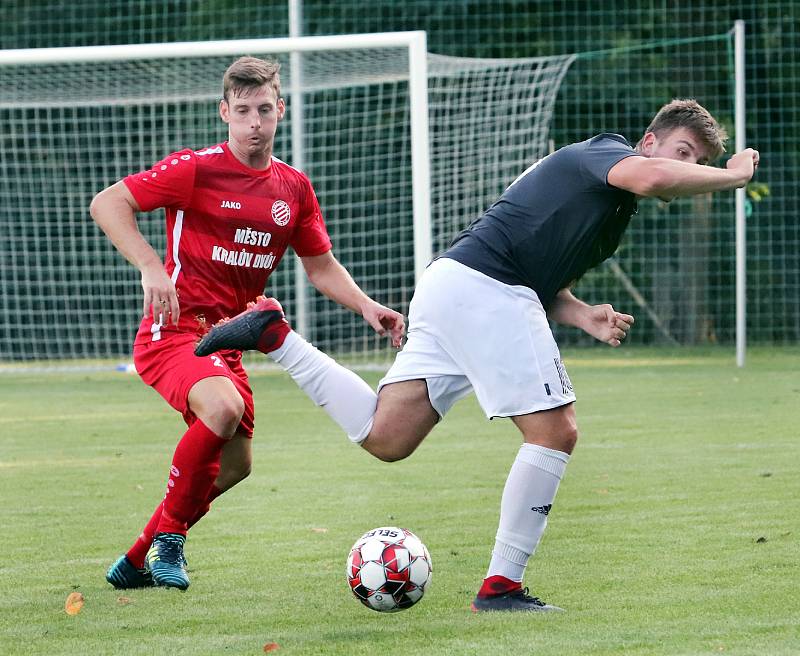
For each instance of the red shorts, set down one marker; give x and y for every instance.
(171, 368)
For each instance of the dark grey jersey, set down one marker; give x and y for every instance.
(557, 220)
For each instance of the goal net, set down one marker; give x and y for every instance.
(74, 125)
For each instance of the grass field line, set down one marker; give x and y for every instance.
(61, 462)
(82, 416)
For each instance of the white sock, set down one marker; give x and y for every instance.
(527, 498)
(347, 399)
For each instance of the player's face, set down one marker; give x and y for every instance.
(680, 144)
(252, 116)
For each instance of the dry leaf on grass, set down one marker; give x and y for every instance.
(74, 603)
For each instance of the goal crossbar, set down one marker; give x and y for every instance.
(210, 48)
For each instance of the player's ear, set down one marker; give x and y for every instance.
(649, 141)
(281, 108)
(224, 111)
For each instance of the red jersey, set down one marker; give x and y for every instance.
(228, 226)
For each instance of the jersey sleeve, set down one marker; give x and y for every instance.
(601, 154)
(169, 183)
(310, 236)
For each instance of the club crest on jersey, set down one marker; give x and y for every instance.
(281, 212)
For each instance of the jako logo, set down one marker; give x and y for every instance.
(231, 204)
(545, 510)
(281, 212)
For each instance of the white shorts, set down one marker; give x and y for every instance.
(468, 332)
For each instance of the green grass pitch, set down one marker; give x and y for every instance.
(676, 529)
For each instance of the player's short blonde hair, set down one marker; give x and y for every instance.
(690, 114)
(248, 73)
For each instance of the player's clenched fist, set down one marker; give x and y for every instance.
(745, 162)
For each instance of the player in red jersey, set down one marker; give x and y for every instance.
(231, 210)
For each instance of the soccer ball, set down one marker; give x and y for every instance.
(388, 569)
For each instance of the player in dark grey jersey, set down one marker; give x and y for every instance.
(479, 318)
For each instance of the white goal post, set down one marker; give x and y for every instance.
(403, 147)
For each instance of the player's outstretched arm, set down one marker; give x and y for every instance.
(332, 279)
(602, 322)
(660, 177)
(114, 210)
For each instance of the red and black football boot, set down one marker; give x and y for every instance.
(262, 327)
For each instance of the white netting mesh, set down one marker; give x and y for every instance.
(69, 130)
(490, 119)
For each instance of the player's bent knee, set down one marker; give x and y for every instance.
(388, 455)
(569, 439)
(391, 445)
(403, 418)
(570, 429)
(385, 447)
(229, 410)
(222, 414)
(218, 404)
(564, 437)
(554, 429)
(385, 452)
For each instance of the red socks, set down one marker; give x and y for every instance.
(497, 585)
(194, 467)
(138, 551)
(273, 337)
(136, 554)
(190, 488)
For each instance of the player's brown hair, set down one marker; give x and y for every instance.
(248, 73)
(690, 114)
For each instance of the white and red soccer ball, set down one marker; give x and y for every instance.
(388, 569)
